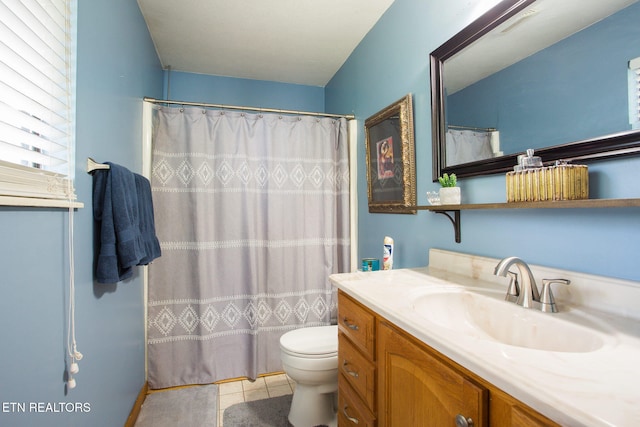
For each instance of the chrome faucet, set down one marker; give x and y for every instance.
(526, 292)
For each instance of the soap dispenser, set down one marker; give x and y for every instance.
(528, 161)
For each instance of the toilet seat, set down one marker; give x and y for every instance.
(315, 342)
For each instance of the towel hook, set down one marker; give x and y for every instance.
(92, 165)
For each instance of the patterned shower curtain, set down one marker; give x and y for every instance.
(464, 146)
(252, 214)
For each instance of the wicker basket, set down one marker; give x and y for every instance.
(561, 182)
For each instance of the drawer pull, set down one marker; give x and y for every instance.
(350, 418)
(462, 421)
(352, 326)
(354, 374)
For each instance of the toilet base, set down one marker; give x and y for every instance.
(310, 408)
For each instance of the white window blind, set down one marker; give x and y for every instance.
(36, 99)
(634, 93)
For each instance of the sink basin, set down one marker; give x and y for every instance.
(485, 315)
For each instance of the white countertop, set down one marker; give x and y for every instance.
(596, 388)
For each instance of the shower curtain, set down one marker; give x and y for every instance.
(463, 146)
(252, 213)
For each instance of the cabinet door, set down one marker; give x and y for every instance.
(522, 418)
(504, 410)
(417, 389)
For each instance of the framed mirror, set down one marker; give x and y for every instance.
(390, 158)
(552, 75)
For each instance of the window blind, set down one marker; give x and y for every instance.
(36, 99)
(634, 92)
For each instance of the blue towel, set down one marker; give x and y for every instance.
(147, 222)
(123, 209)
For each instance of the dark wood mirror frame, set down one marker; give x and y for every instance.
(619, 144)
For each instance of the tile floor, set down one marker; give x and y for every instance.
(230, 393)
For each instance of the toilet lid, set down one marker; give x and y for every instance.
(317, 340)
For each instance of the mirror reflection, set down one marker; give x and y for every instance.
(557, 71)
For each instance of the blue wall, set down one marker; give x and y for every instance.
(117, 66)
(533, 106)
(181, 86)
(392, 61)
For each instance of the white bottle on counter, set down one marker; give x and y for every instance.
(387, 257)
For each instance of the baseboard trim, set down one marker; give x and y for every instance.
(137, 406)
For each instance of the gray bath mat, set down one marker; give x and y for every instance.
(195, 406)
(271, 412)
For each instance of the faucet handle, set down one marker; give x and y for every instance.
(547, 302)
(514, 287)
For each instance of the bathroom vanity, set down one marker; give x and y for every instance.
(441, 346)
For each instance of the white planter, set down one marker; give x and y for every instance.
(450, 195)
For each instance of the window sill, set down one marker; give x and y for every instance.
(38, 203)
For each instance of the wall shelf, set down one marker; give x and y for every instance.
(449, 210)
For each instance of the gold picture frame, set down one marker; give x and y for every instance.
(390, 158)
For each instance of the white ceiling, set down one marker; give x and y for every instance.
(291, 41)
(540, 25)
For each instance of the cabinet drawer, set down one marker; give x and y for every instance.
(358, 371)
(351, 410)
(357, 323)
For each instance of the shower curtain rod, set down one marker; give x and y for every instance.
(472, 128)
(235, 107)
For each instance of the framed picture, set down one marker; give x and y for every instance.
(390, 151)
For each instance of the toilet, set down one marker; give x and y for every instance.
(310, 357)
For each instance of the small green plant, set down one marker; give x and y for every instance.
(447, 180)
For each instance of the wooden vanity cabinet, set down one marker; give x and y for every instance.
(388, 378)
(356, 364)
(419, 387)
